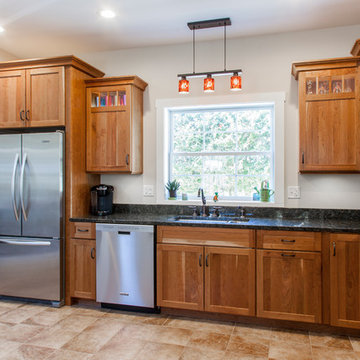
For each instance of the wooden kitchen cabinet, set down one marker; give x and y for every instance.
(114, 136)
(289, 280)
(83, 261)
(206, 269)
(33, 97)
(329, 115)
(344, 280)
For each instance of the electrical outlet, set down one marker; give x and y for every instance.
(293, 192)
(148, 190)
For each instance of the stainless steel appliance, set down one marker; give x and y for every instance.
(32, 215)
(125, 265)
(102, 199)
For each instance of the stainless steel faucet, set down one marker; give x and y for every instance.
(203, 199)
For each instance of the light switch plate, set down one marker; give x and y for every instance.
(149, 190)
(293, 192)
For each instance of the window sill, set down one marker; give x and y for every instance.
(220, 203)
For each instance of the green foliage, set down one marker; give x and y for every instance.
(172, 185)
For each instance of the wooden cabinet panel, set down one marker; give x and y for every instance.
(180, 276)
(206, 236)
(289, 285)
(329, 115)
(83, 230)
(345, 280)
(288, 240)
(108, 147)
(12, 99)
(230, 280)
(114, 136)
(45, 96)
(83, 269)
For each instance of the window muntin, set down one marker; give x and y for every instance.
(228, 150)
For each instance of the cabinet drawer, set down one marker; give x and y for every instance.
(83, 230)
(288, 240)
(206, 236)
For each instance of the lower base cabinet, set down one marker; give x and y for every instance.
(205, 278)
(345, 280)
(289, 285)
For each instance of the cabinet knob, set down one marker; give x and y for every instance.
(92, 254)
(200, 260)
(302, 158)
(127, 159)
(27, 115)
(22, 115)
(334, 248)
(206, 260)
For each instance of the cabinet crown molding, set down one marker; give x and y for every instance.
(117, 80)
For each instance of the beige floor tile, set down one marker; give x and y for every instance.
(239, 356)
(117, 348)
(209, 340)
(156, 351)
(252, 331)
(249, 345)
(95, 336)
(332, 353)
(70, 355)
(203, 325)
(341, 342)
(19, 332)
(11, 304)
(20, 314)
(86, 311)
(17, 351)
(8, 349)
(202, 354)
(355, 342)
(138, 331)
(283, 350)
(53, 338)
(168, 335)
(75, 323)
(301, 337)
(48, 317)
(153, 319)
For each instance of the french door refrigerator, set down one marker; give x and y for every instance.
(32, 215)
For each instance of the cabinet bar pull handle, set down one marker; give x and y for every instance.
(92, 254)
(200, 257)
(127, 159)
(334, 248)
(303, 158)
(22, 115)
(27, 115)
(206, 260)
(288, 255)
(83, 230)
(287, 241)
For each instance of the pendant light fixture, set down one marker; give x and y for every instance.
(209, 82)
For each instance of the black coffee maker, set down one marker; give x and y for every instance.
(102, 199)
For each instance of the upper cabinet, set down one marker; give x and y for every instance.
(114, 133)
(32, 92)
(329, 115)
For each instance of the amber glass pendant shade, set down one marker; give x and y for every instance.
(235, 82)
(209, 84)
(183, 86)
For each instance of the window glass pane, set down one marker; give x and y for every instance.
(254, 120)
(219, 165)
(189, 184)
(219, 121)
(254, 141)
(220, 142)
(223, 184)
(189, 165)
(246, 184)
(253, 165)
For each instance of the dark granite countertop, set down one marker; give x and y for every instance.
(261, 223)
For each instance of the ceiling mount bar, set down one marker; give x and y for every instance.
(205, 24)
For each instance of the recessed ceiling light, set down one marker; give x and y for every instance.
(1, 29)
(108, 14)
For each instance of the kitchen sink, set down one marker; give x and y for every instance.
(204, 219)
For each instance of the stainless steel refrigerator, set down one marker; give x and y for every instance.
(32, 215)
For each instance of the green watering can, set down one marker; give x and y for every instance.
(265, 192)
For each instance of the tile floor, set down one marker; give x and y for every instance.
(37, 332)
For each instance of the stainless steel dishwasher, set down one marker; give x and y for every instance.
(125, 265)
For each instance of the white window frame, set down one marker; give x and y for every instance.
(163, 108)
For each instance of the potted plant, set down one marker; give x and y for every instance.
(172, 187)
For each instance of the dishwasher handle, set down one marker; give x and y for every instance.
(124, 233)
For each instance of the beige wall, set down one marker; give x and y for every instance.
(5, 56)
(266, 63)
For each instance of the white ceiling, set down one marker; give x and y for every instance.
(35, 28)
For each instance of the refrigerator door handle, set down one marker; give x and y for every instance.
(22, 187)
(16, 162)
(25, 243)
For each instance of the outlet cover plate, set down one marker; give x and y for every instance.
(293, 192)
(148, 190)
